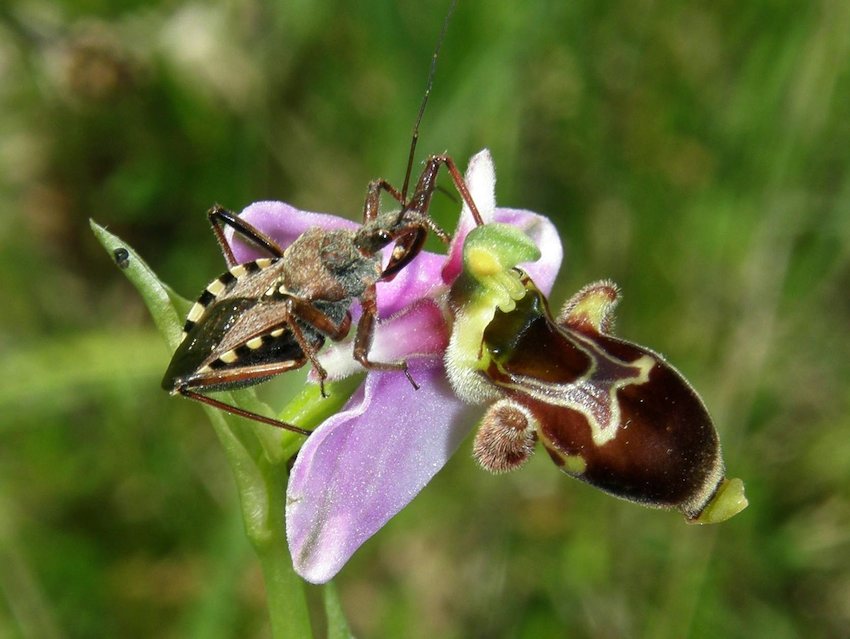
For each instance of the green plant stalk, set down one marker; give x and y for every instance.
(285, 594)
(256, 453)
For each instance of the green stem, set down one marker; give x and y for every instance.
(261, 485)
(285, 594)
(257, 454)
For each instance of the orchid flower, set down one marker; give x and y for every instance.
(364, 464)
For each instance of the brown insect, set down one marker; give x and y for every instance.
(272, 315)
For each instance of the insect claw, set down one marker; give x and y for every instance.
(410, 377)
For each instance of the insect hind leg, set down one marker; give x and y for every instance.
(220, 217)
(241, 412)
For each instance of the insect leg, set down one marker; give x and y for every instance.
(307, 313)
(219, 216)
(411, 241)
(373, 198)
(241, 412)
(421, 198)
(216, 379)
(408, 246)
(365, 333)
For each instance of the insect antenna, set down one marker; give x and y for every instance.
(422, 106)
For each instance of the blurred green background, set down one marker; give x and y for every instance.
(698, 154)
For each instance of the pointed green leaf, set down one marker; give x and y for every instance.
(158, 297)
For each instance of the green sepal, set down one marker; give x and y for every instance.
(162, 302)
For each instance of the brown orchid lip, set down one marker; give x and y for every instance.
(609, 412)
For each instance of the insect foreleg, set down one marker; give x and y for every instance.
(421, 198)
(372, 204)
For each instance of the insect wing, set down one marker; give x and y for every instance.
(216, 355)
(231, 329)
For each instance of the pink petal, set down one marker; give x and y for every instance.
(419, 330)
(417, 280)
(544, 234)
(480, 178)
(365, 464)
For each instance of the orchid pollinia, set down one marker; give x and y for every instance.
(608, 412)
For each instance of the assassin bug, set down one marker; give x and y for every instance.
(273, 314)
(609, 412)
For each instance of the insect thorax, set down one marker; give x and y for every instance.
(324, 265)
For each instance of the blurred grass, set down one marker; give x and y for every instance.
(697, 154)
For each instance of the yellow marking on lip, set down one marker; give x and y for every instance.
(575, 464)
(254, 343)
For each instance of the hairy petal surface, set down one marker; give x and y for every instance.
(418, 280)
(480, 178)
(366, 463)
(418, 330)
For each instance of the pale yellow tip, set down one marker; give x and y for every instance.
(727, 502)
